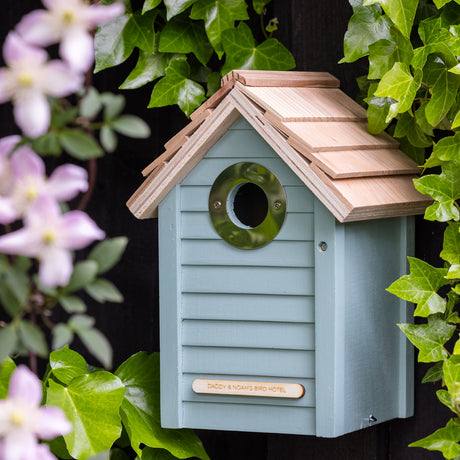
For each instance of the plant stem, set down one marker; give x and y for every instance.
(92, 173)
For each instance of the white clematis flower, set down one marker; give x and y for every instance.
(68, 22)
(49, 236)
(23, 421)
(28, 79)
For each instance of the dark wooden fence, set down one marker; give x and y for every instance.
(313, 31)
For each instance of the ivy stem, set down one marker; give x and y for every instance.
(262, 26)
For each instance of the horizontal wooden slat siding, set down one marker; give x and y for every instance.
(249, 307)
(245, 417)
(248, 280)
(195, 198)
(243, 334)
(307, 400)
(297, 226)
(246, 361)
(278, 253)
(206, 173)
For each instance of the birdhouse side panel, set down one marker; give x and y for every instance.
(242, 316)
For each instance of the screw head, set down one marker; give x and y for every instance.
(277, 204)
(217, 204)
(322, 246)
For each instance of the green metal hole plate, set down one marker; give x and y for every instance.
(236, 233)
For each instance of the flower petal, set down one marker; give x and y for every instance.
(25, 162)
(79, 230)
(60, 80)
(55, 267)
(8, 143)
(7, 85)
(32, 114)
(16, 48)
(44, 211)
(25, 385)
(24, 241)
(67, 181)
(97, 14)
(21, 447)
(77, 49)
(52, 422)
(43, 452)
(36, 27)
(8, 213)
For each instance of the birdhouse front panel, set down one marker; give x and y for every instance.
(245, 315)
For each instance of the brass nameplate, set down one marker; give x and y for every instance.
(241, 388)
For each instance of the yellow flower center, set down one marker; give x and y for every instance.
(17, 417)
(68, 17)
(48, 237)
(31, 193)
(25, 79)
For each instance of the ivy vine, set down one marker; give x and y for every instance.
(186, 46)
(412, 90)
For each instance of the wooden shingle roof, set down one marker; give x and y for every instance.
(314, 127)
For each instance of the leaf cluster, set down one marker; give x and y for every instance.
(114, 415)
(31, 306)
(412, 90)
(185, 46)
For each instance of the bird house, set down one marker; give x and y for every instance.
(281, 223)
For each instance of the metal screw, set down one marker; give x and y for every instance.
(277, 204)
(217, 204)
(372, 419)
(322, 246)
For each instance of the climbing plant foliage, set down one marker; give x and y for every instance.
(185, 46)
(412, 90)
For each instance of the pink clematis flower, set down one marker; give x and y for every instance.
(28, 79)
(7, 212)
(28, 182)
(68, 21)
(23, 421)
(49, 236)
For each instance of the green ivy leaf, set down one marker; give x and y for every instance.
(407, 126)
(6, 369)
(8, 341)
(445, 398)
(444, 88)
(445, 189)
(103, 290)
(91, 402)
(430, 338)
(259, 5)
(115, 41)
(444, 440)
(434, 373)
(177, 88)
(66, 364)
(180, 35)
(242, 52)
(149, 67)
(385, 53)
(399, 84)
(150, 5)
(131, 126)
(140, 410)
(108, 253)
(451, 245)
(175, 7)
(79, 144)
(448, 149)
(33, 338)
(377, 111)
(451, 370)
(156, 454)
(366, 26)
(401, 12)
(219, 15)
(421, 287)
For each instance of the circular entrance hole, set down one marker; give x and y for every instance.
(249, 204)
